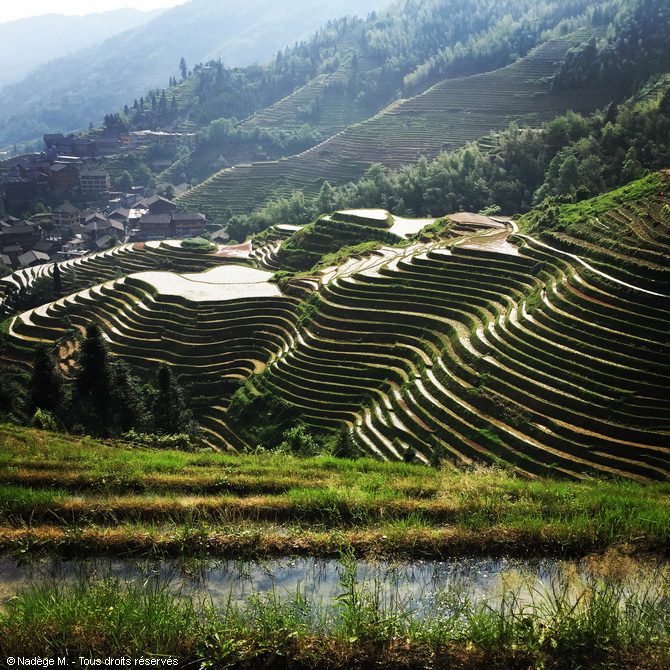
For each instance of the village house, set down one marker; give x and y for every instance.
(219, 236)
(155, 226)
(121, 214)
(13, 252)
(66, 215)
(158, 205)
(70, 145)
(188, 224)
(140, 138)
(49, 247)
(74, 247)
(94, 181)
(32, 258)
(64, 178)
(21, 234)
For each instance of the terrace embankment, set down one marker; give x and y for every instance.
(485, 347)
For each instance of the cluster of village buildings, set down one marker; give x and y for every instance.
(75, 232)
(68, 170)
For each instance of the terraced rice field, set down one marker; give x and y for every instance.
(124, 259)
(446, 116)
(631, 242)
(213, 328)
(486, 345)
(335, 109)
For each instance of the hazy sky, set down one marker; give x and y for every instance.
(10, 11)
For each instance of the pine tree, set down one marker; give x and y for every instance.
(58, 281)
(127, 406)
(93, 382)
(169, 412)
(46, 383)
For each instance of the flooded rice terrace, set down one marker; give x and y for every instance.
(421, 588)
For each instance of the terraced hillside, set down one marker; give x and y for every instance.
(630, 242)
(322, 103)
(446, 116)
(123, 259)
(214, 328)
(476, 343)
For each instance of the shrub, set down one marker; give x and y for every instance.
(178, 442)
(44, 420)
(198, 245)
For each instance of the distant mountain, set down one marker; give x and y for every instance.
(28, 43)
(71, 91)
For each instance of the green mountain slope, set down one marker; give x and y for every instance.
(66, 94)
(349, 71)
(446, 116)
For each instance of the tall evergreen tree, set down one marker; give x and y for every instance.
(46, 383)
(127, 407)
(93, 382)
(169, 412)
(58, 281)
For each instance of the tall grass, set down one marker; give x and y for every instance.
(60, 480)
(616, 614)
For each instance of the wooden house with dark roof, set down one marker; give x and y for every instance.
(24, 234)
(120, 214)
(49, 247)
(219, 236)
(66, 214)
(188, 224)
(32, 258)
(13, 252)
(94, 181)
(156, 226)
(64, 178)
(158, 205)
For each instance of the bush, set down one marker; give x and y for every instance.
(300, 442)
(178, 442)
(198, 245)
(44, 420)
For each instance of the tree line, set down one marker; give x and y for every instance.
(102, 398)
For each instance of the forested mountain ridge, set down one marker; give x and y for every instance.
(613, 24)
(446, 116)
(72, 91)
(353, 70)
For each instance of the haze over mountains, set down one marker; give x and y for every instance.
(29, 43)
(69, 92)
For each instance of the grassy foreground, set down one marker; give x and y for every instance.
(67, 496)
(74, 495)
